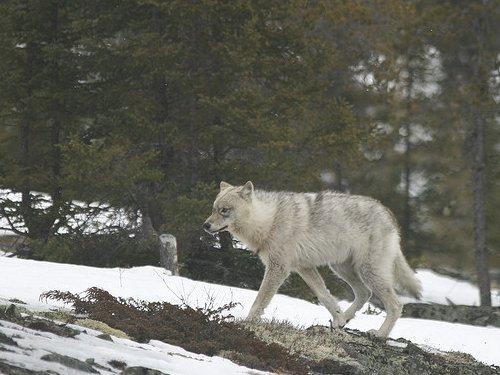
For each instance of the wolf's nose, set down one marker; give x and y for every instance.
(206, 226)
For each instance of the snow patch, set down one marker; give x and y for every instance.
(27, 279)
(155, 355)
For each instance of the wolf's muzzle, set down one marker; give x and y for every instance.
(207, 227)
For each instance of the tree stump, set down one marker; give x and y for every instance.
(168, 253)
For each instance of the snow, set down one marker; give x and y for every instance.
(27, 279)
(156, 355)
(396, 344)
(442, 289)
(94, 216)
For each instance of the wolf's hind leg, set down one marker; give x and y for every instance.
(362, 294)
(274, 276)
(314, 280)
(382, 285)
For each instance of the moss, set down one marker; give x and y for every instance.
(67, 317)
(311, 345)
(353, 352)
(103, 327)
(64, 316)
(315, 346)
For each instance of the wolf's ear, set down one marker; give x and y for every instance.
(247, 190)
(224, 185)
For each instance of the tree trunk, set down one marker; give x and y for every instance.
(147, 228)
(168, 253)
(478, 186)
(166, 244)
(407, 218)
(26, 210)
(480, 75)
(225, 240)
(338, 174)
(48, 221)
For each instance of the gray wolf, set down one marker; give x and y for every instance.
(356, 236)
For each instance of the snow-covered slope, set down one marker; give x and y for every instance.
(443, 289)
(26, 280)
(86, 346)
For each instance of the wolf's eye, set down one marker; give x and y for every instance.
(224, 210)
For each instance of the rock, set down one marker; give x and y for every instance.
(4, 339)
(105, 336)
(331, 366)
(453, 273)
(345, 351)
(70, 362)
(15, 300)
(240, 358)
(93, 363)
(474, 315)
(50, 326)
(138, 370)
(120, 365)
(12, 312)
(7, 368)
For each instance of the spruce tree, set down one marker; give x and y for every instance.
(470, 49)
(40, 99)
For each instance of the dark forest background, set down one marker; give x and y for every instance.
(136, 109)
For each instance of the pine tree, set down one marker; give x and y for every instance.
(210, 91)
(470, 54)
(40, 105)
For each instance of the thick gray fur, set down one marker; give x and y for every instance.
(356, 236)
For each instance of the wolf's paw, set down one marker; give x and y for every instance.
(338, 322)
(349, 315)
(253, 318)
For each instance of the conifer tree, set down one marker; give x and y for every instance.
(470, 47)
(214, 90)
(41, 106)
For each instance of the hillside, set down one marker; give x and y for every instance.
(423, 341)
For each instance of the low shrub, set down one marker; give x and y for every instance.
(202, 331)
(99, 250)
(233, 267)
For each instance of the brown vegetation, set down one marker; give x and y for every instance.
(203, 331)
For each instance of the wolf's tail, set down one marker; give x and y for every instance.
(405, 277)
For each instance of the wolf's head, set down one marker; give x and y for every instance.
(231, 207)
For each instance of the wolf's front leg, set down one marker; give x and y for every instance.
(274, 276)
